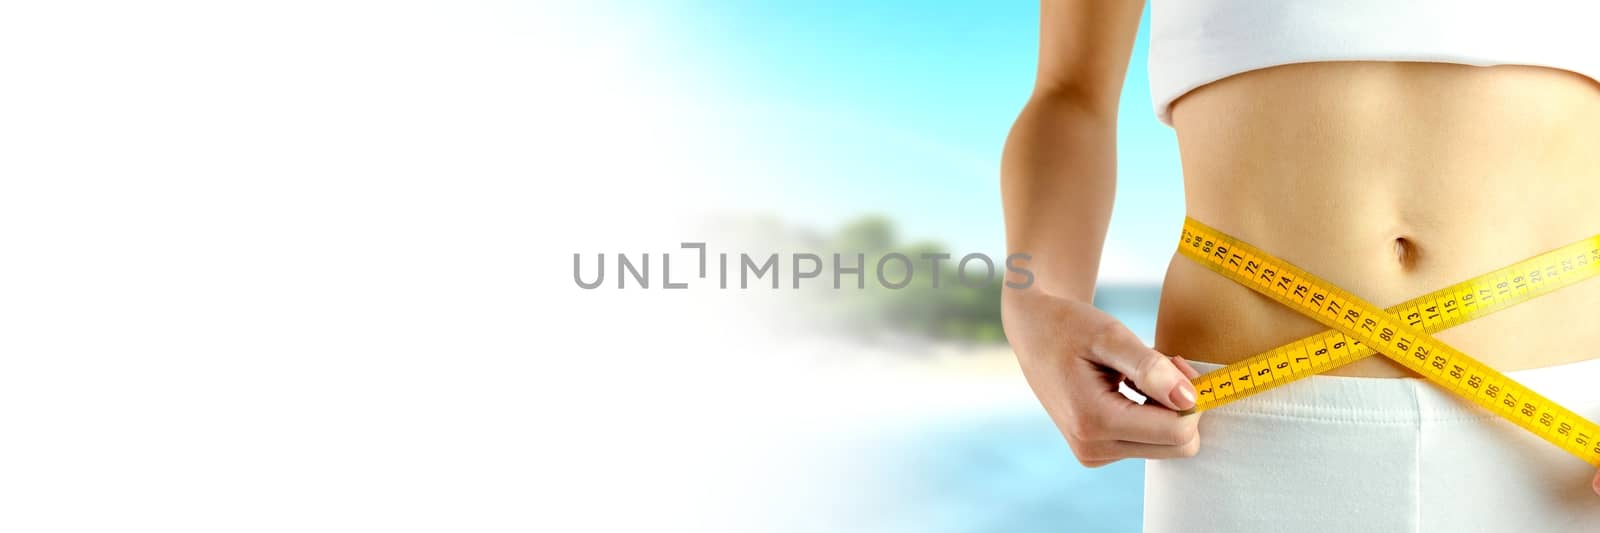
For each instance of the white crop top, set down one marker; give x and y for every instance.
(1195, 42)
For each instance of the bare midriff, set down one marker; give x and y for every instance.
(1390, 180)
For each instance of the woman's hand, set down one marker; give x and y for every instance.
(1075, 356)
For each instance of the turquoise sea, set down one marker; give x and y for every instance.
(1006, 471)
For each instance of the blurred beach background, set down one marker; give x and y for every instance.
(922, 419)
(872, 126)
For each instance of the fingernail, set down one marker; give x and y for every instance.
(1183, 396)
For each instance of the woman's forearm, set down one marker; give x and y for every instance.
(1058, 180)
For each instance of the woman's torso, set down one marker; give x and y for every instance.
(1338, 166)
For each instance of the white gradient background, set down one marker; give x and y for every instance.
(271, 266)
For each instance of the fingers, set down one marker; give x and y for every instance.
(1188, 370)
(1596, 483)
(1106, 427)
(1116, 347)
(1132, 430)
(1183, 365)
(1114, 418)
(1101, 453)
(1148, 424)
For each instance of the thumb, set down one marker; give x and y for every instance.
(1596, 483)
(1150, 371)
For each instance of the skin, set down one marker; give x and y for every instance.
(1389, 179)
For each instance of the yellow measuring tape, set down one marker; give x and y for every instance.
(1402, 333)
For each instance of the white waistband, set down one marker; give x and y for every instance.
(1398, 400)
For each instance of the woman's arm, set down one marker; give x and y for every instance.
(1058, 177)
(1059, 171)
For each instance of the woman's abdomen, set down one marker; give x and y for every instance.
(1390, 180)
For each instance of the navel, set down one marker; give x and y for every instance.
(1405, 252)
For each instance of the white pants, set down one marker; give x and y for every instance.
(1370, 454)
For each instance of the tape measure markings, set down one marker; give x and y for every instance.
(1431, 312)
(1379, 330)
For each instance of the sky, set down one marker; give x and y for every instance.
(826, 110)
